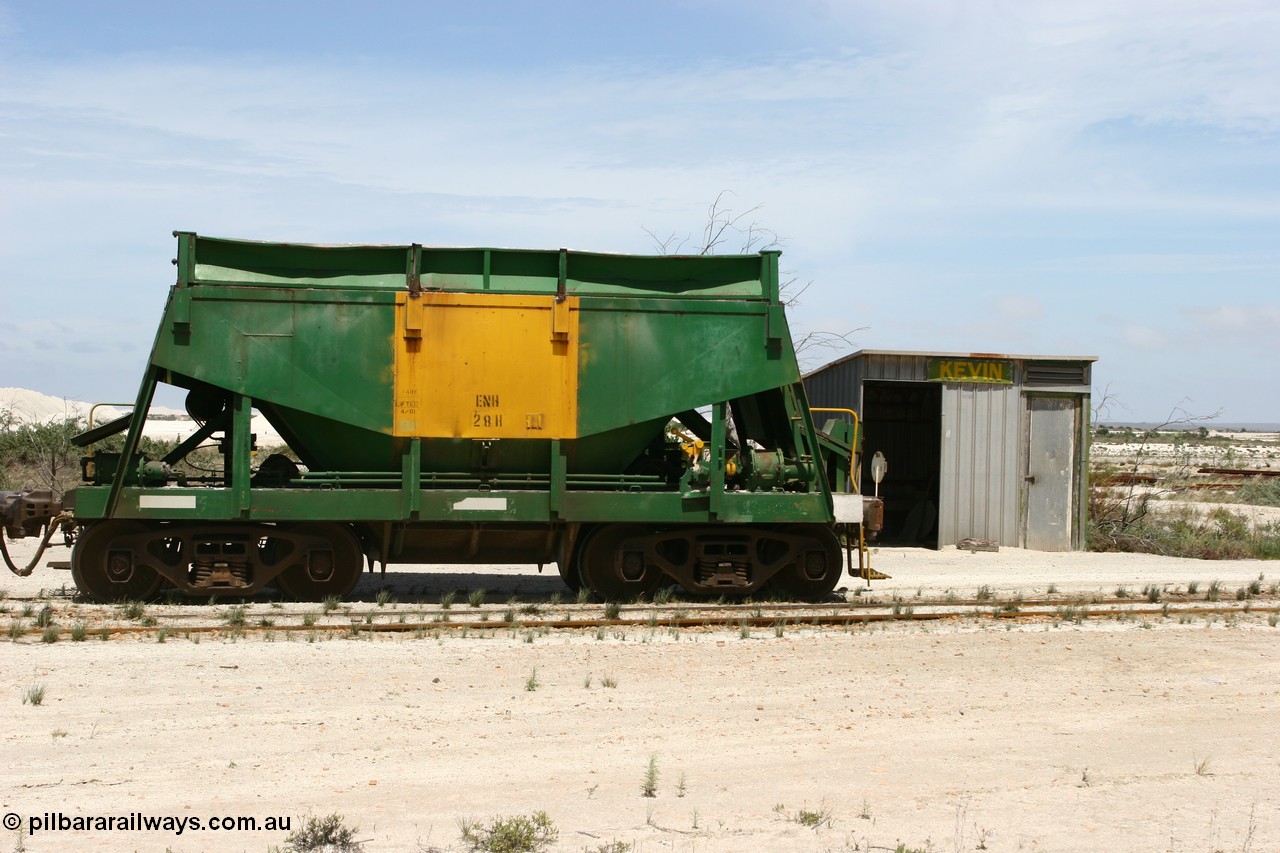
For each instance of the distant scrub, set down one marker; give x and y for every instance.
(1221, 535)
(1140, 503)
(1260, 491)
(41, 455)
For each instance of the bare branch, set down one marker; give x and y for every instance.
(813, 347)
(722, 225)
(1102, 408)
(791, 294)
(722, 221)
(664, 243)
(1120, 517)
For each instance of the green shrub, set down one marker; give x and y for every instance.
(649, 785)
(814, 818)
(1222, 535)
(518, 834)
(327, 834)
(1260, 491)
(41, 455)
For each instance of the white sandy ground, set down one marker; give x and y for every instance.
(1246, 449)
(943, 736)
(1256, 516)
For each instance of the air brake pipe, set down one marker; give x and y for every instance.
(30, 567)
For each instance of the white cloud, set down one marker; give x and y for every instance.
(1015, 306)
(1237, 325)
(974, 106)
(1145, 337)
(986, 86)
(1169, 263)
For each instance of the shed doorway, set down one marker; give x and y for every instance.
(903, 420)
(1051, 465)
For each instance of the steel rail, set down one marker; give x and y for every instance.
(673, 607)
(354, 626)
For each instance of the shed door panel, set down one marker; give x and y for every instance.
(1050, 473)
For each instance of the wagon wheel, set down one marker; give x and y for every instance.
(324, 572)
(816, 570)
(615, 569)
(106, 572)
(569, 574)
(568, 567)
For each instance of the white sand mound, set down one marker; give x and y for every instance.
(163, 422)
(33, 407)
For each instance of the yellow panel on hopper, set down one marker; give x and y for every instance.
(482, 365)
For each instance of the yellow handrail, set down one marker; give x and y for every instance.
(849, 412)
(97, 406)
(864, 553)
(857, 429)
(93, 409)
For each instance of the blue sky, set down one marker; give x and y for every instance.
(1098, 178)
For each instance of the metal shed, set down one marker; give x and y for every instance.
(979, 445)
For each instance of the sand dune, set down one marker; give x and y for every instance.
(163, 422)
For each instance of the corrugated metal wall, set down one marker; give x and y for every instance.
(836, 386)
(978, 488)
(840, 384)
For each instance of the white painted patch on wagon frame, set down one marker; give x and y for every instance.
(489, 504)
(167, 502)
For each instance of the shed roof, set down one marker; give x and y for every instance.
(864, 353)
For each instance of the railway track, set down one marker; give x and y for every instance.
(54, 619)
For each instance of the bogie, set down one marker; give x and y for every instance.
(105, 564)
(116, 560)
(624, 562)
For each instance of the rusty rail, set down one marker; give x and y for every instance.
(1061, 610)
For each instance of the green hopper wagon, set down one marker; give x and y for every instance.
(636, 420)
